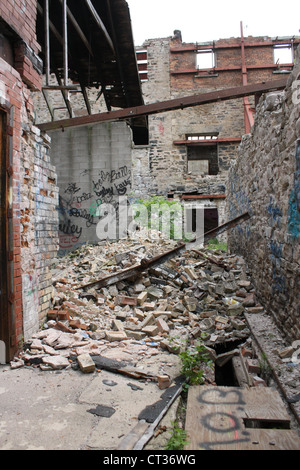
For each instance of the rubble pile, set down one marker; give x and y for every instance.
(196, 295)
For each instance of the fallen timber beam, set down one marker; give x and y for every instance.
(169, 105)
(146, 263)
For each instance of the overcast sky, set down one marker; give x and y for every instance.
(201, 21)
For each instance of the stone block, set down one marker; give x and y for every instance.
(142, 297)
(115, 335)
(163, 381)
(150, 330)
(252, 366)
(162, 326)
(124, 300)
(86, 363)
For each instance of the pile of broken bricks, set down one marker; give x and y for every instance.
(195, 295)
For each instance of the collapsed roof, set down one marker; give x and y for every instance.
(91, 43)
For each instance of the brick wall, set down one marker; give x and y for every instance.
(34, 194)
(265, 181)
(20, 15)
(34, 202)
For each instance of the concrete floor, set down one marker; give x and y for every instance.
(50, 410)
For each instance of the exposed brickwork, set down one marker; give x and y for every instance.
(21, 17)
(34, 194)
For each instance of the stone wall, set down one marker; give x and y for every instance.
(265, 181)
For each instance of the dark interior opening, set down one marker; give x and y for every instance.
(225, 375)
(140, 135)
(208, 153)
(265, 424)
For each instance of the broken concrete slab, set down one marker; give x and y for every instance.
(56, 362)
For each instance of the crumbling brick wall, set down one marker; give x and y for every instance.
(32, 234)
(265, 180)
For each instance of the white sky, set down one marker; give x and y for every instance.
(201, 21)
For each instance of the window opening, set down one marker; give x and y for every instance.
(196, 137)
(203, 160)
(205, 59)
(283, 54)
(142, 62)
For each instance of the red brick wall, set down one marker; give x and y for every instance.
(21, 17)
(228, 72)
(11, 100)
(16, 83)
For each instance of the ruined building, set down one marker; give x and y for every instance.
(37, 41)
(190, 150)
(87, 118)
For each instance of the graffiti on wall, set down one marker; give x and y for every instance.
(294, 200)
(81, 210)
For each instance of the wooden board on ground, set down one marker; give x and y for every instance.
(233, 418)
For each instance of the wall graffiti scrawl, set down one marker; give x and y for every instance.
(93, 165)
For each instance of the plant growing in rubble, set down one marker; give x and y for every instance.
(178, 439)
(193, 358)
(214, 244)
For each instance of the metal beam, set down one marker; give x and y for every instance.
(65, 45)
(47, 40)
(169, 105)
(78, 29)
(248, 115)
(100, 23)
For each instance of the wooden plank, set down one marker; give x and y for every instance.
(129, 441)
(216, 419)
(264, 404)
(272, 439)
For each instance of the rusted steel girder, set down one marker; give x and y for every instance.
(169, 105)
(228, 225)
(134, 270)
(146, 263)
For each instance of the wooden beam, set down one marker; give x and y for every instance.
(169, 105)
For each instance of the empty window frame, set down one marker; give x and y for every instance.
(205, 59)
(203, 160)
(283, 54)
(142, 62)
